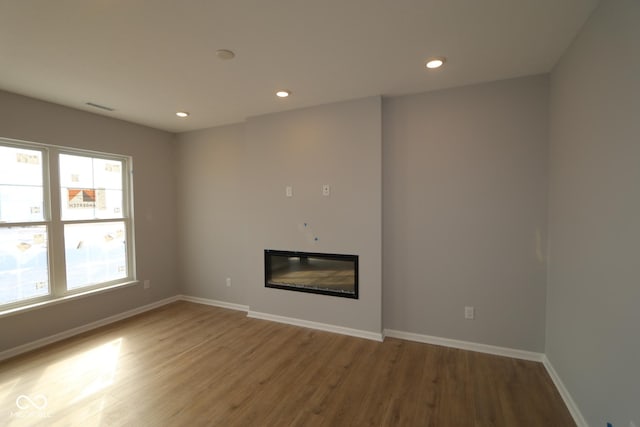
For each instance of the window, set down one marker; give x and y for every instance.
(65, 222)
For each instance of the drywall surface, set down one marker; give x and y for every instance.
(593, 340)
(464, 212)
(152, 151)
(233, 206)
(212, 200)
(335, 144)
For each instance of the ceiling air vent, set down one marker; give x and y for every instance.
(102, 107)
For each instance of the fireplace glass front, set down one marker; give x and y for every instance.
(328, 274)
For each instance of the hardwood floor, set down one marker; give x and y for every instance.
(190, 365)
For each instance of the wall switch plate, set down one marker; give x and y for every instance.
(288, 191)
(326, 190)
(228, 281)
(469, 312)
(146, 284)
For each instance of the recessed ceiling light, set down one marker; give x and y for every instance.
(283, 93)
(433, 63)
(225, 54)
(182, 114)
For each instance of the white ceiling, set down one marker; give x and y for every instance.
(148, 59)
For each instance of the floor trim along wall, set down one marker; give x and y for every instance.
(215, 303)
(465, 345)
(499, 351)
(568, 400)
(288, 320)
(84, 328)
(317, 325)
(427, 339)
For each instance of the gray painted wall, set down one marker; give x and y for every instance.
(464, 209)
(212, 200)
(593, 321)
(154, 199)
(233, 206)
(337, 144)
(464, 212)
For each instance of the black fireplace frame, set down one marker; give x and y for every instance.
(322, 291)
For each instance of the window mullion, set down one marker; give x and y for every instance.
(56, 241)
(128, 216)
(88, 205)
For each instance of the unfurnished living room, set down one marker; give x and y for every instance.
(329, 213)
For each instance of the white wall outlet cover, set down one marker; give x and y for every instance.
(288, 191)
(469, 312)
(147, 284)
(326, 190)
(228, 282)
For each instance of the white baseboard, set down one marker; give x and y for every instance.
(500, 351)
(283, 319)
(568, 400)
(466, 345)
(84, 328)
(316, 325)
(215, 303)
(446, 342)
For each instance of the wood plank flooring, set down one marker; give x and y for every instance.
(186, 364)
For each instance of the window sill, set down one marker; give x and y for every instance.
(66, 298)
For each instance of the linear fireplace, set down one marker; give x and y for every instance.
(327, 274)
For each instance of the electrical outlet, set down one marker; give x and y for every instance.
(326, 190)
(469, 312)
(289, 191)
(228, 282)
(147, 284)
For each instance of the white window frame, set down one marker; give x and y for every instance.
(58, 291)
